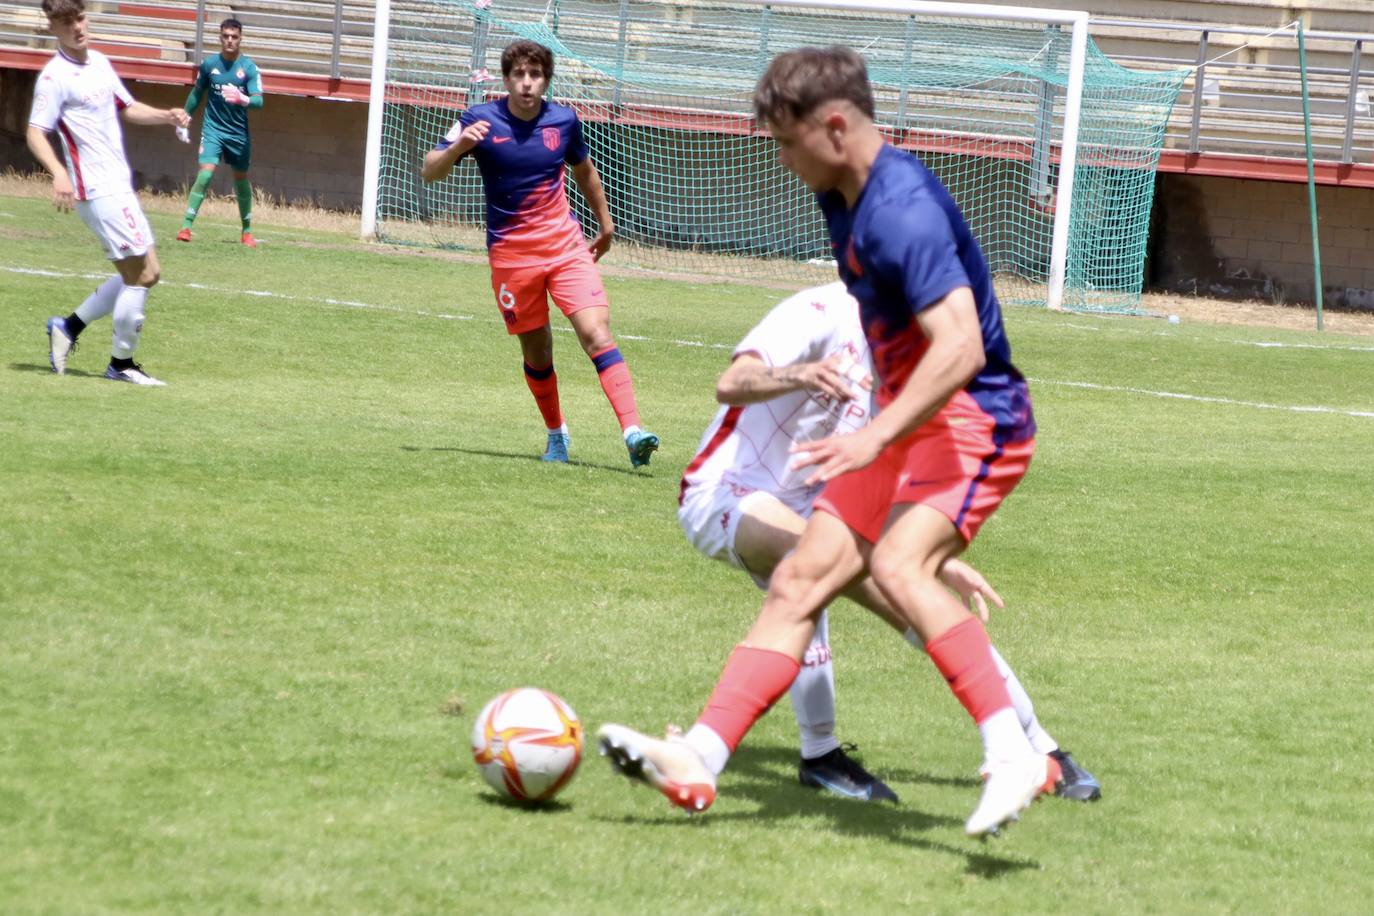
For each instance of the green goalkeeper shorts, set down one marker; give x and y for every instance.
(234, 152)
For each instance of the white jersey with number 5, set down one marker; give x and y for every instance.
(82, 103)
(750, 447)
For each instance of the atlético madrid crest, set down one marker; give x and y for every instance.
(552, 138)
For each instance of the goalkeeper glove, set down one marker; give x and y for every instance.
(233, 96)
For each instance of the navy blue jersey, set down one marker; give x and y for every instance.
(522, 165)
(903, 248)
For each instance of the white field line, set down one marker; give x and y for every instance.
(1181, 396)
(347, 303)
(1152, 330)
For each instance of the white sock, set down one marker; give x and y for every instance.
(563, 430)
(629, 431)
(813, 695)
(1039, 739)
(710, 747)
(128, 320)
(101, 302)
(1003, 738)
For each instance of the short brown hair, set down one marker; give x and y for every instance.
(799, 81)
(526, 51)
(63, 9)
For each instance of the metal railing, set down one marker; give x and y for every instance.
(1247, 102)
(1245, 95)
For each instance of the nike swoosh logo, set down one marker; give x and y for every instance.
(499, 139)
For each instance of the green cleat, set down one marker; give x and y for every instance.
(641, 446)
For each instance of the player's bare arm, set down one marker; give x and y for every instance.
(148, 116)
(954, 357)
(750, 380)
(439, 162)
(589, 183)
(62, 192)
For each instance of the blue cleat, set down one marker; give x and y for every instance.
(558, 448)
(1075, 782)
(641, 446)
(840, 774)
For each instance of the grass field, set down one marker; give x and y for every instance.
(246, 620)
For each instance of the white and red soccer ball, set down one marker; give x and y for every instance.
(527, 743)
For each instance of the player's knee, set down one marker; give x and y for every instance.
(149, 277)
(894, 572)
(596, 342)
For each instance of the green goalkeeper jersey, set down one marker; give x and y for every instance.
(227, 120)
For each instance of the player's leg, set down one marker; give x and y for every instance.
(208, 158)
(1074, 781)
(762, 532)
(576, 288)
(537, 349)
(758, 672)
(139, 273)
(63, 332)
(243, 193)
(522, 299)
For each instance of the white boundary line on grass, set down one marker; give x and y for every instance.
(347, 303)
(1177, 395)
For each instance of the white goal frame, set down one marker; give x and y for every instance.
(1075, 21)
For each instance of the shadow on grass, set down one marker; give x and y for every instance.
(766, 777)
(521, 456)
(45, 369)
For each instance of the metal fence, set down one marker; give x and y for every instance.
(1244, 99)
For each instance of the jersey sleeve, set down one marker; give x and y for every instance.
(466, 119)
(123, 98)
(576, 152)
(795, 331)
(202, 76)
(915, 252)
(47, 103)
(254, 79)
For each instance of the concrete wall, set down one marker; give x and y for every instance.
(303, 149)
(1237, 238)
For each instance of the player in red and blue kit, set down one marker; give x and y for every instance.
(953, 435)
(535, 245)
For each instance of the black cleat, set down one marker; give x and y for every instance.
(1075, 783)
(839, 773)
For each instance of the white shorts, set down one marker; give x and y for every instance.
(710, 516)
(119, 223)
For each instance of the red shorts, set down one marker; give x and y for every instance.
(522, 293)
(956, 468)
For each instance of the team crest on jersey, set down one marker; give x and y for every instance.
(240, 74)
(552, 138)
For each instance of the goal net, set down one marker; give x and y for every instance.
(1049, 148)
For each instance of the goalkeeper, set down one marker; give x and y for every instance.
(231, 85)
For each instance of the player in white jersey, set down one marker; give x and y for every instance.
(79, 97)
(804, 374)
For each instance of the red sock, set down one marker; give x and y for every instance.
(751, 683)
(964, 656)
(544, 386)
(619, 387)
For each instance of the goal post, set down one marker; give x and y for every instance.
(1049, 148)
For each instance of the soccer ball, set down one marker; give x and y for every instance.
(527, 743)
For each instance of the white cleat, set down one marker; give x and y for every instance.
(134, 375)
(60, 344)
(1011, 786)
(669, 765)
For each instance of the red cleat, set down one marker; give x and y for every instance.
(249, 240)
(184, 235)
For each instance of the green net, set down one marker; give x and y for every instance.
(664, 93)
